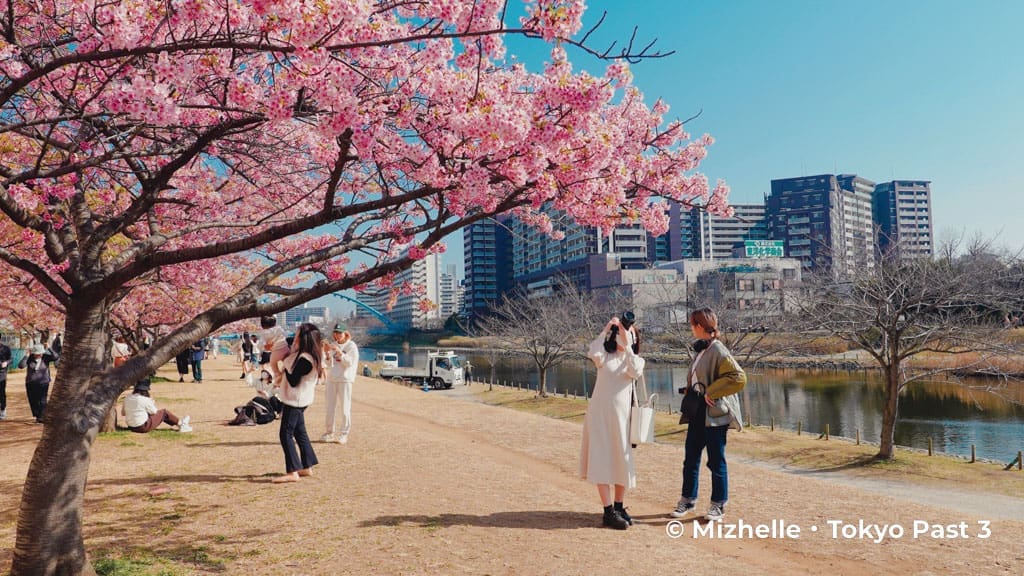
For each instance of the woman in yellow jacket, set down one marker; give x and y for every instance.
(710, 407)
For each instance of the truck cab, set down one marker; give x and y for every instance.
(445, 369)
(387, 359)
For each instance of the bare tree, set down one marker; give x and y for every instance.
(548, 329)
(746, 323)
(950, 306)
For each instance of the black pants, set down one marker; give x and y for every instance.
(37, 398)
(3, 393)
(293, 430)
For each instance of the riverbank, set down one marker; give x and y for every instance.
(849, 361)
(805, 453)
(433, 484)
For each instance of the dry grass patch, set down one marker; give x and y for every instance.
(804, 452)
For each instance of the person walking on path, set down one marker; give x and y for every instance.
(246, 349)
(606, 457)
(214, 347)
(303, 369)
(198, 355)
(141, 414)
(710, 407)
(37, 378)
(344, 354)
(182, 361)
(5, 363)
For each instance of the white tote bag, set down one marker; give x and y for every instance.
(641, 414)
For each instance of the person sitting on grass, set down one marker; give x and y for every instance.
(141, 415)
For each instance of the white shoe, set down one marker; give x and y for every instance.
(184, 424)
(327, 438)
(683, 508)
(3, 414)
(343, 439)
(715, 512)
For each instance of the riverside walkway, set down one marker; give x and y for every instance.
(430, 483)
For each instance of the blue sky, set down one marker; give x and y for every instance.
(923, 89)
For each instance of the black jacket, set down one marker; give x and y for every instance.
(38, 368)
(5, 356)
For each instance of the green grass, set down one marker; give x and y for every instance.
(129, 438)
(143, 565)
(143, 562)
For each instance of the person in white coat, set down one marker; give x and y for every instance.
(344, 355)
(606, 456)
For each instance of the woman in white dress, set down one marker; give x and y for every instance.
(606, 457)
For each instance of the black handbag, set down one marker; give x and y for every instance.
(690, 408)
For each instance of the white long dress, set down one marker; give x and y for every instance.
(606, 456)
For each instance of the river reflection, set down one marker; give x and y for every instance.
(954, 416)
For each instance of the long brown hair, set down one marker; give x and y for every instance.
(308, 337)
(706, 319)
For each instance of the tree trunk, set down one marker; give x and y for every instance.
(542, 389)
(887, 442)
(110, 421)
(49, 530)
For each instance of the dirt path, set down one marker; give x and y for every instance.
(430, 484)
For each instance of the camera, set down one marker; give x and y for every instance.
(627, 319)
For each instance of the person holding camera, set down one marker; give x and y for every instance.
(710, 407)
(606, 456)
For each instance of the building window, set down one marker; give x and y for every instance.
(744, 284)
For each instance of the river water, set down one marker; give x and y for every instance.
(953, 415)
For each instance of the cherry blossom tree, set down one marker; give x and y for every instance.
(241, 158)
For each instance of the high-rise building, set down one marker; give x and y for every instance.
(709, 237)
(538, 259)
(903, 217)
(305, 313)
(487, 248)
(824, 220)
(449, 292)
(668, 246)
(418, 306)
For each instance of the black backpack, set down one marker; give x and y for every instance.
(262, 410)
(259, 410)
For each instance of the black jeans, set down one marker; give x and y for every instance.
(37, 398)
(293, 430)
(3, 393)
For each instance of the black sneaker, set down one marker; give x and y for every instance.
(625, 515)
(612, 519)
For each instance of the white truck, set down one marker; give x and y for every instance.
(443, 370)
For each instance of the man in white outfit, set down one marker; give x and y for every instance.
(344, 355)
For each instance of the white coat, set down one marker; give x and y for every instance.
(606, 456)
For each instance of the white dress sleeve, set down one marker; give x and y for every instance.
(596, 352)
(633, 364)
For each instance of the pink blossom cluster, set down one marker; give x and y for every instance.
(265, 143)
(555, 18)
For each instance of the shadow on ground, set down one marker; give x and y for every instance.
(856, 463)
(537, 520)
